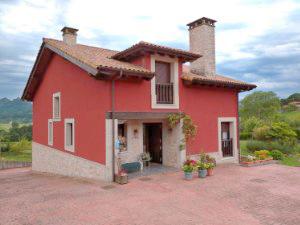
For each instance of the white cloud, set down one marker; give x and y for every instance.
(29, 16)
(117, 24)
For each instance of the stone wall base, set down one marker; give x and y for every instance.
(50, 160)
(218, 157)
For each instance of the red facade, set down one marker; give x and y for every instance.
(87, 99)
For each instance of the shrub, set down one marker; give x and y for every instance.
(276, 154)
(248, 125)
(283, 133)
(5, 147)
(261, 133)
(253, 146)
(262, 154)
(245, 135)
(20, 146)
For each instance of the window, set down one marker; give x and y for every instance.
(165, 84)
(50, 132)
(56, 106)
(69, 135)
(122, 136)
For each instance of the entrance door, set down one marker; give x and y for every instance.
(153, 141)
(227, 149)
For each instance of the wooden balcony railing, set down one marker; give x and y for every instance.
(227, 147)
(164, 93)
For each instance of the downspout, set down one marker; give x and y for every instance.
(113, 121)
(238, 129)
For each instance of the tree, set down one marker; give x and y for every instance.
(262, 105)
(282, 132)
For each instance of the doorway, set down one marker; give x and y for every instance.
(153, 141)
(227, 148)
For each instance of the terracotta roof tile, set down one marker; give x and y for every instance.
(146, 46)
(94, 56)
(187, 75)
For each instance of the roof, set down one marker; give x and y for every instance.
(217, 80)
(97, 58)
(105, 64)
(141, 47)
(96, 61)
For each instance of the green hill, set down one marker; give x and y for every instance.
(15, 110)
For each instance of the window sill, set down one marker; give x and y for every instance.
(165, 106)
(56, 119)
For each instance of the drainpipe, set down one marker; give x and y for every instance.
(113, 120)
(238, 129)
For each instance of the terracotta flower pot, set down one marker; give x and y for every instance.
(210, 172)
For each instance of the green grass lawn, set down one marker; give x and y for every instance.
(244, 150)
(293, 116)
(24, 156)
(293, 160)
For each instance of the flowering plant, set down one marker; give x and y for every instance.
(202, 165)
(189, 165)
(210, 165)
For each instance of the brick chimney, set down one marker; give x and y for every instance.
(69, 35)
(202, 41)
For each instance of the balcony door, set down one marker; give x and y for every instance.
(227, 148)
(164, 86)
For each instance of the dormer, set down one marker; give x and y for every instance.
(165, 63)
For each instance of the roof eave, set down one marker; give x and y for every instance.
(239, 87)
(136, 50)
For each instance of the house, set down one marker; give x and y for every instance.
(85, 98)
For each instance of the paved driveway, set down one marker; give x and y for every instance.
(234, 195)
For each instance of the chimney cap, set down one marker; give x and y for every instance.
(69, 30)
(203, 20)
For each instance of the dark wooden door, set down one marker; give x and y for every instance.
(227, 149)
(162, 72)
(153, 141)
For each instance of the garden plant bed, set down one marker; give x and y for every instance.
(259, 163)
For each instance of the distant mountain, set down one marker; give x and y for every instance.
(292, 98)
(15, 110)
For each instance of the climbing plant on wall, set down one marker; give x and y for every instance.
(189, 129)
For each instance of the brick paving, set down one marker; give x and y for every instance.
(268, 194)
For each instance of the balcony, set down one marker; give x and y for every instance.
(164, 93)
(227, 147)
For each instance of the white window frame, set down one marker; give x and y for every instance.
(174, 78)
(70, 148)
(50, 132)
(233, 131)
(56, 95)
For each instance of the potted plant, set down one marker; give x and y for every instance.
(202, 168)
(146, 158)
(210, 168)
(121, 177)
(188, 168)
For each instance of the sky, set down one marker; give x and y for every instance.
(256, 41)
